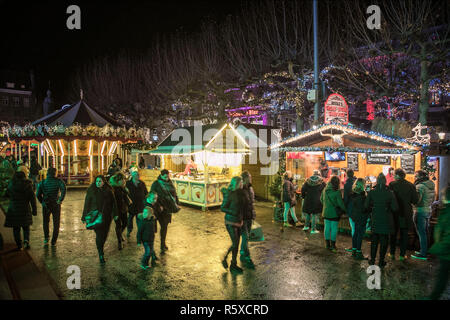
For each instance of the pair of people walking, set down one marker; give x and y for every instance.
(238, 205)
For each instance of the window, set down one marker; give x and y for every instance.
(26, 102)
(4, 101)
(10, 85)
(16, 101)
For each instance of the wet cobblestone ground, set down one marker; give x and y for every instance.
(289, 265)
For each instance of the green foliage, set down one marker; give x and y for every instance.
(277, 184)
(392, 128)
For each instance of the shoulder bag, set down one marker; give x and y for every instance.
(338, 209)
(173, 206)
(94, 219)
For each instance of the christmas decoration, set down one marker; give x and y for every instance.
(419, 138)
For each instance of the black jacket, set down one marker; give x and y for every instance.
(348, 190)
(381, 202)
(233, 205)
(311, 191)
(22, 204)
(101, 199)
(35, 168)
(146, 227)
(288, 194)
(356, 209)
(249, 210)
(164, 199)
(137, 196)
(406, 195)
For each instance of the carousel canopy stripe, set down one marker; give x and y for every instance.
(80, 113)
(336, 131)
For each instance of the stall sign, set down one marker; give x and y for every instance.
(408, 163)
(378, 159)
(336, 109)
(352, 161)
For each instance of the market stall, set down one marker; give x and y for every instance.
(334, 148)
(77, 140)
(201, 160)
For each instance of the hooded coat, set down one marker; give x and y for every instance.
(249, 211)
(311, 191)
(425, 191)
(162, 188)
(101, 199)
(234, 203)
(406, 195)
(288, 192)
(331, 199)
(22, 204)
(137, 196)
(121, 195)
(441, 246)
(382, 203)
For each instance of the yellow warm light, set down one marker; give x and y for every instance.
(50, 145)
(61, 147)
(215, 136)
(75, 147)
(90, 147)
(112, 148)
(239, 136)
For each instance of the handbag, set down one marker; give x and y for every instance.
(173, 206)
(94, 219)
(338, 209)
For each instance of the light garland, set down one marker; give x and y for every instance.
(402, 143)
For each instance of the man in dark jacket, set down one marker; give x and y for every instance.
(50, 193)
(138, 193)
(248, 217)
(167, 202)
(312, 207)
(406, 195)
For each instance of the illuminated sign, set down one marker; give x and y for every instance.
(336, 109)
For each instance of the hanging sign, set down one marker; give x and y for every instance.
(378, 159)
(336, 109)
(352, 161)
(408, 163)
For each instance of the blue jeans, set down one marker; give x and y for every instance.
(331, 228)
(310, 217)
(421, 222)
(352, 225)
(358, 234)
(291, 209)
(246, 228)
(148, 246)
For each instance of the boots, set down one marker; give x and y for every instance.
(144, 262)
(234, 267)
(102, 259)
(327, 244)
(333, 246)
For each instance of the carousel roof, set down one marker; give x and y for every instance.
(80, 113)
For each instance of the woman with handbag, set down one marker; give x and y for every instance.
(333, 208)
(117, 182)
(166, 205)
(234, 204)
(382, 203)
(100, 203)
(288, 196)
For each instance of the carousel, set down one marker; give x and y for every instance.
(77, 140)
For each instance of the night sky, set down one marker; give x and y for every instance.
(34, 34)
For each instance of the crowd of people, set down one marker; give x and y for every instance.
(390, 208)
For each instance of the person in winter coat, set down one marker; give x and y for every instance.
(441, 247)
(166, 205)
(347, 191)
(22, 206)
(138, 192)
(359, 216)
(406, 195)
(382, 203)
(21, 167)
(117, 183)
(332, 204)
(234, 204)
(325, 171)
(248, 217)
(51, 193)
(312, 207)
(100, 197)
(288, 196)
(422, 212)
(35, 167)
(146, 230)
